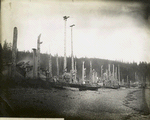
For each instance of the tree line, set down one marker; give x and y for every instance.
(132, 70)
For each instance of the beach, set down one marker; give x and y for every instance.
(104, 104)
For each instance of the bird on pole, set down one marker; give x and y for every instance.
(66, 17)
(72, 25)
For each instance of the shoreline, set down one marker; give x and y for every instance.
(101, 104)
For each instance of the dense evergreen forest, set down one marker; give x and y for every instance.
(141, 70)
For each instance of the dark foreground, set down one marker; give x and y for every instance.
(104, 104)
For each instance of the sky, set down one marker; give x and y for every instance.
(106, 30)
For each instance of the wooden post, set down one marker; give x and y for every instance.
(50, 66)
(109, 73)
(90, 71)
(57, 65)
(14, 52)
(34, 64)
(75, 71)
(101, 72)
(65, 59)
(72, 59)
(95, 76)
(127, 79)
(122, 81)
(135, 77)
(119, 74)
(83, 72)
(113, 72)
(38, 55)
(116, 73)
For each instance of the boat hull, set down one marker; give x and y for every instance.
(89, 87)
(81, 87)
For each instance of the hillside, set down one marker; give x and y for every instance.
(129, 69)
(126, 69)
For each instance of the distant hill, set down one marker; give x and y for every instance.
(132, 70)
(129, 69)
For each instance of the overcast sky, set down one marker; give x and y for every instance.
(109, 30)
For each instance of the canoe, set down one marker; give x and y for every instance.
(89, 87)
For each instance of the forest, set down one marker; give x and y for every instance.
(126, 69)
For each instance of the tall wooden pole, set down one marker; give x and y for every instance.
(57, 65)
(14, 52)
(119, 74)
(50, 65)
(101, 72)
(107, 74)
(109, 71)
(93, 76)
(38, 55)
(116, 73)
(34, 64)
(75, 71)
(72, 60)
(83, 71)
(90, 71)
(135, 77)
(113, 72)
(65, 62)
(122, 81)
